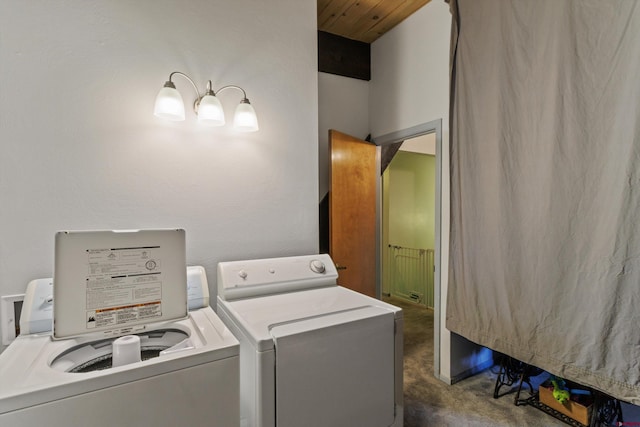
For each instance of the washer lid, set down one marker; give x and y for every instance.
(115, 282)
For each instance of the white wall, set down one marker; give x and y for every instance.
(80, 148)
(410, 86)
(410, 72)
(423, 144)
(344, 106)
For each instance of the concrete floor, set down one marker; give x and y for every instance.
(430, 402)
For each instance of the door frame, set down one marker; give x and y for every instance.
(434, 126)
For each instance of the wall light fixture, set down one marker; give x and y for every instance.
(170, 106)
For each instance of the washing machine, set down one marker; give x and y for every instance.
(131, 366)
(312, 353)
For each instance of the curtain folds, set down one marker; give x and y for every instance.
(545, 185)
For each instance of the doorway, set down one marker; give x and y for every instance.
(388, 140)
(384, 148)
(408, 222)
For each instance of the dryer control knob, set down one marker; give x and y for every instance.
(242, 274)
(317, 266)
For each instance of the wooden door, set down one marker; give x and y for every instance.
(352, 211)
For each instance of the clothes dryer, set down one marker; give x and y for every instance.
(312, 353)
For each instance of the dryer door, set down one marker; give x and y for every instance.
(336, 370)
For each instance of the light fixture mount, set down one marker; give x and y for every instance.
(169, 105)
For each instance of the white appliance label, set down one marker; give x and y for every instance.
(123, 285)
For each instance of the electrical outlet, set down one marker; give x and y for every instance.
(10, 309)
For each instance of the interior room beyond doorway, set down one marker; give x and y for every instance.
(408, 221)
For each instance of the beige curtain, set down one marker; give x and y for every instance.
(545, 185)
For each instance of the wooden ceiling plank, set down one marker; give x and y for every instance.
(373, 16)
(326, 8)
(364, 20)
(384, 11)
(355, 13)
(333, 13)
(322, 6)
(386, 22)
(346, 23)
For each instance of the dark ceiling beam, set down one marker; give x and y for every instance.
(343, 56)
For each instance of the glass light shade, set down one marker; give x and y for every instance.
(210, 111)
(245, 119)
(169, 104)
